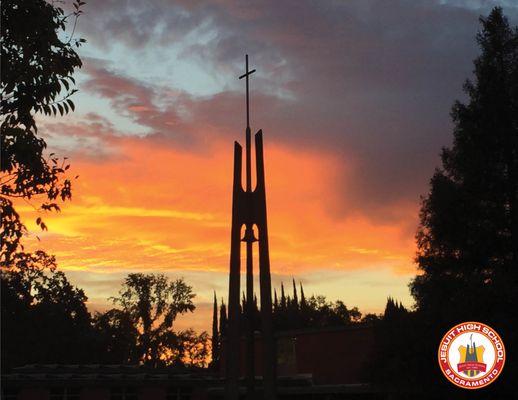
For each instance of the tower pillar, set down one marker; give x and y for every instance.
(249, 209)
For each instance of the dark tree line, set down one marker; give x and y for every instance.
(290, 312)
(298, 312)
(45, 320)
(44, 317)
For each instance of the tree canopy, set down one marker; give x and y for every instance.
(468, 236)
(45, 320)
(43, 314)
(44, 317)
(38, 59)
(152, 302)
(295, 311)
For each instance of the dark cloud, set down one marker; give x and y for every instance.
(174, 116)
(370, 81)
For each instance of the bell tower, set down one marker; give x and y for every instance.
(249, 210)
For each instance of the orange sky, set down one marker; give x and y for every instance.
(154, 208)
(353, 98)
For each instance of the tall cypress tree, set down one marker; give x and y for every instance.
(389, 308)
(295, 297)
(215, 332)
(283, 298)
(243, 303)
(302, 298)
(468, 235)
(222, 319)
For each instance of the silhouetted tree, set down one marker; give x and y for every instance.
(371, 319)
(468, 235)
(295, 297)
(302, 298)
(196, 348)
(153, 303)
(223, 322)
(399, 348)
(283, 304)
(44, 317)
(315, 312)
(117, 337)
(37, 63)
(243, 302)
(215, 334)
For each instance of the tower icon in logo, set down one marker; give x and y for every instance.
(471, 355)
(472, 359)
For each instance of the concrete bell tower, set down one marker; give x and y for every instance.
(249, 210)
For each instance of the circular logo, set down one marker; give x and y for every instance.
(471, 355)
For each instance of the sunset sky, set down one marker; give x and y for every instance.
(353, 98)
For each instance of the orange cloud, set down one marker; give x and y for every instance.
(157, 208)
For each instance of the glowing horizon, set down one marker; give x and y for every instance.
(353, 122)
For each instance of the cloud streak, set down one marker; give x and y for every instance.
(354, 100)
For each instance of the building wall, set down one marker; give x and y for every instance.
(33, 394)
(330, 356)
(101, 392)
(333, 357)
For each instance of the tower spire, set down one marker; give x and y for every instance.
(249, 238)
(249, 209)
(246, 75)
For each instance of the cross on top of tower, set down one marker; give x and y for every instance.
(246, 75)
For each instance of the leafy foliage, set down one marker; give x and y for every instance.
(291, 313)
(196, 348)
(45, 320)
(37, 66)
(315, 312)
(117, 336)
(44, 316)
(152, 302)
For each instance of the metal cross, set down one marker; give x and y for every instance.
(246, 75)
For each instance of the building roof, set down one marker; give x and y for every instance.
(137, 374)
(325, 329)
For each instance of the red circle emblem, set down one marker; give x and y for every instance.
(471, 355)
